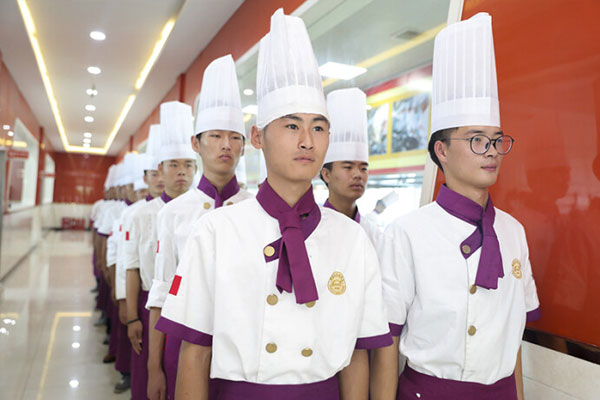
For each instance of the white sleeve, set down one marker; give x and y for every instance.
(121, 273)
(106, 222)
(397, 272)
(374, 329)
(132, 241)
(532, 303)
(188, 312)
(111, 245)
(165, 263)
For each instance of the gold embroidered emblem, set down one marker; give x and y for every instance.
(516, 266)
(337, 283)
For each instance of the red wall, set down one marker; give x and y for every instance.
(548, 64)
(242, 31)
(12, 106)
(80, 177)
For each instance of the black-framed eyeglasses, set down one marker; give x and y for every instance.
(480, 144)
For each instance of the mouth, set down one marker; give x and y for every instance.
(304, 159)
(225, 157)
(357, 186)
(490, 168)
(181, 182)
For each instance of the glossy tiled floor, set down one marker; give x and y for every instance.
(49, 348)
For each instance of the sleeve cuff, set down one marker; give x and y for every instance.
(183, 332)
(534, 315)
(158, 294)
(103, 234)
(395, 329)
(374, 342)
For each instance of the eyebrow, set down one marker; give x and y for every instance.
(319, 118)
(480, 132)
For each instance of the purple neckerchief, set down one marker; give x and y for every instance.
(211, 191)
(128, 202)
(490, 263)
(149, 197)
(329, 205)
(165, 197)
(294, 265)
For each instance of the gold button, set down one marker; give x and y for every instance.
(272, 299)
(307, 352)
(466, 249)
(269, 251)
(311, 304)
(472, 330)
(206, 205)
(271, 348)
(229, 203)
(472, 289)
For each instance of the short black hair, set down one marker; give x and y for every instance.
(329, 166)
(438, 136)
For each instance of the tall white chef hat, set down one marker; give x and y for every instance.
(128, 169)
(348, 138)
(220, 107)
(108, 182)
(465, 91)
(138, 172)
(288, 79)
(152, 145)
(176, 129)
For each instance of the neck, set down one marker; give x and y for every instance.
(155, 194)
(290, 192)
(478, 195)
(218, 180)
(172, 194)
(343, 204)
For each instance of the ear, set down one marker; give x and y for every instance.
(146, 178)
(326, 175)
(195, 144)
(441, 151)
(257, 137)
(243, 148)
(160, 168)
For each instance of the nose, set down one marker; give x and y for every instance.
(305, 139)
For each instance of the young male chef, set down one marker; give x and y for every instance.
(266, 301)
(457, 279)
(219, 140)
(346, 167)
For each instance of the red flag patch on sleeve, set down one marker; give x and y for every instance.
(157, 246)
(126, 235)
(175, 285)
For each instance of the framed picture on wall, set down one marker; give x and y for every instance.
(410, 122)
(377, 123)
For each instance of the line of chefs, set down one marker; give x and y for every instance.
(209, 292)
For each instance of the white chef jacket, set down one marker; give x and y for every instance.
(453, 329)
(175, 220)
(225, 289)
(124, 226)
(96, 209)
(140, 249)
(370, 226)
(110, 213)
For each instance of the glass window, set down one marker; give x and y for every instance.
(22, 162)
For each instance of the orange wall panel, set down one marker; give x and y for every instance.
(80, 177)
(548, 64)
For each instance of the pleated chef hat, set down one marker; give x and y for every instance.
(129, 169)
(465, 91)
(108, 182)
(176, 128)
(288, 79)
(152, 145)
(348, 136)
(138, 172)
(220, 107)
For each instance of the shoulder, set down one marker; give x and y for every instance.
(507, 221)
(189, 198)
(416, 219)
(243, 195)
(338, 223)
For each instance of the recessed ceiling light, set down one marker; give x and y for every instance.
(75, 345)
(11, 133)
(86, 145)
(88, 118)
(341, 71)
(6, 127)
(97, 35)
(251, 109)
(93, 70)
(92, 92)
(90, 107)
(248, 92)
(87, 140)
(87, 134)
(74, 383)
(76, 328)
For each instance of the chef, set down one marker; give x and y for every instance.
(457, 279)
(176, 163)
(266, 301)
(219, 140)
(346, 167)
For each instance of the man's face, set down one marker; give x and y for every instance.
(178, 174)
(461, 164)
(294, 146)
(141, 194)
(347, 178)
(130, 193)
(220, 151)
(155, 182)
